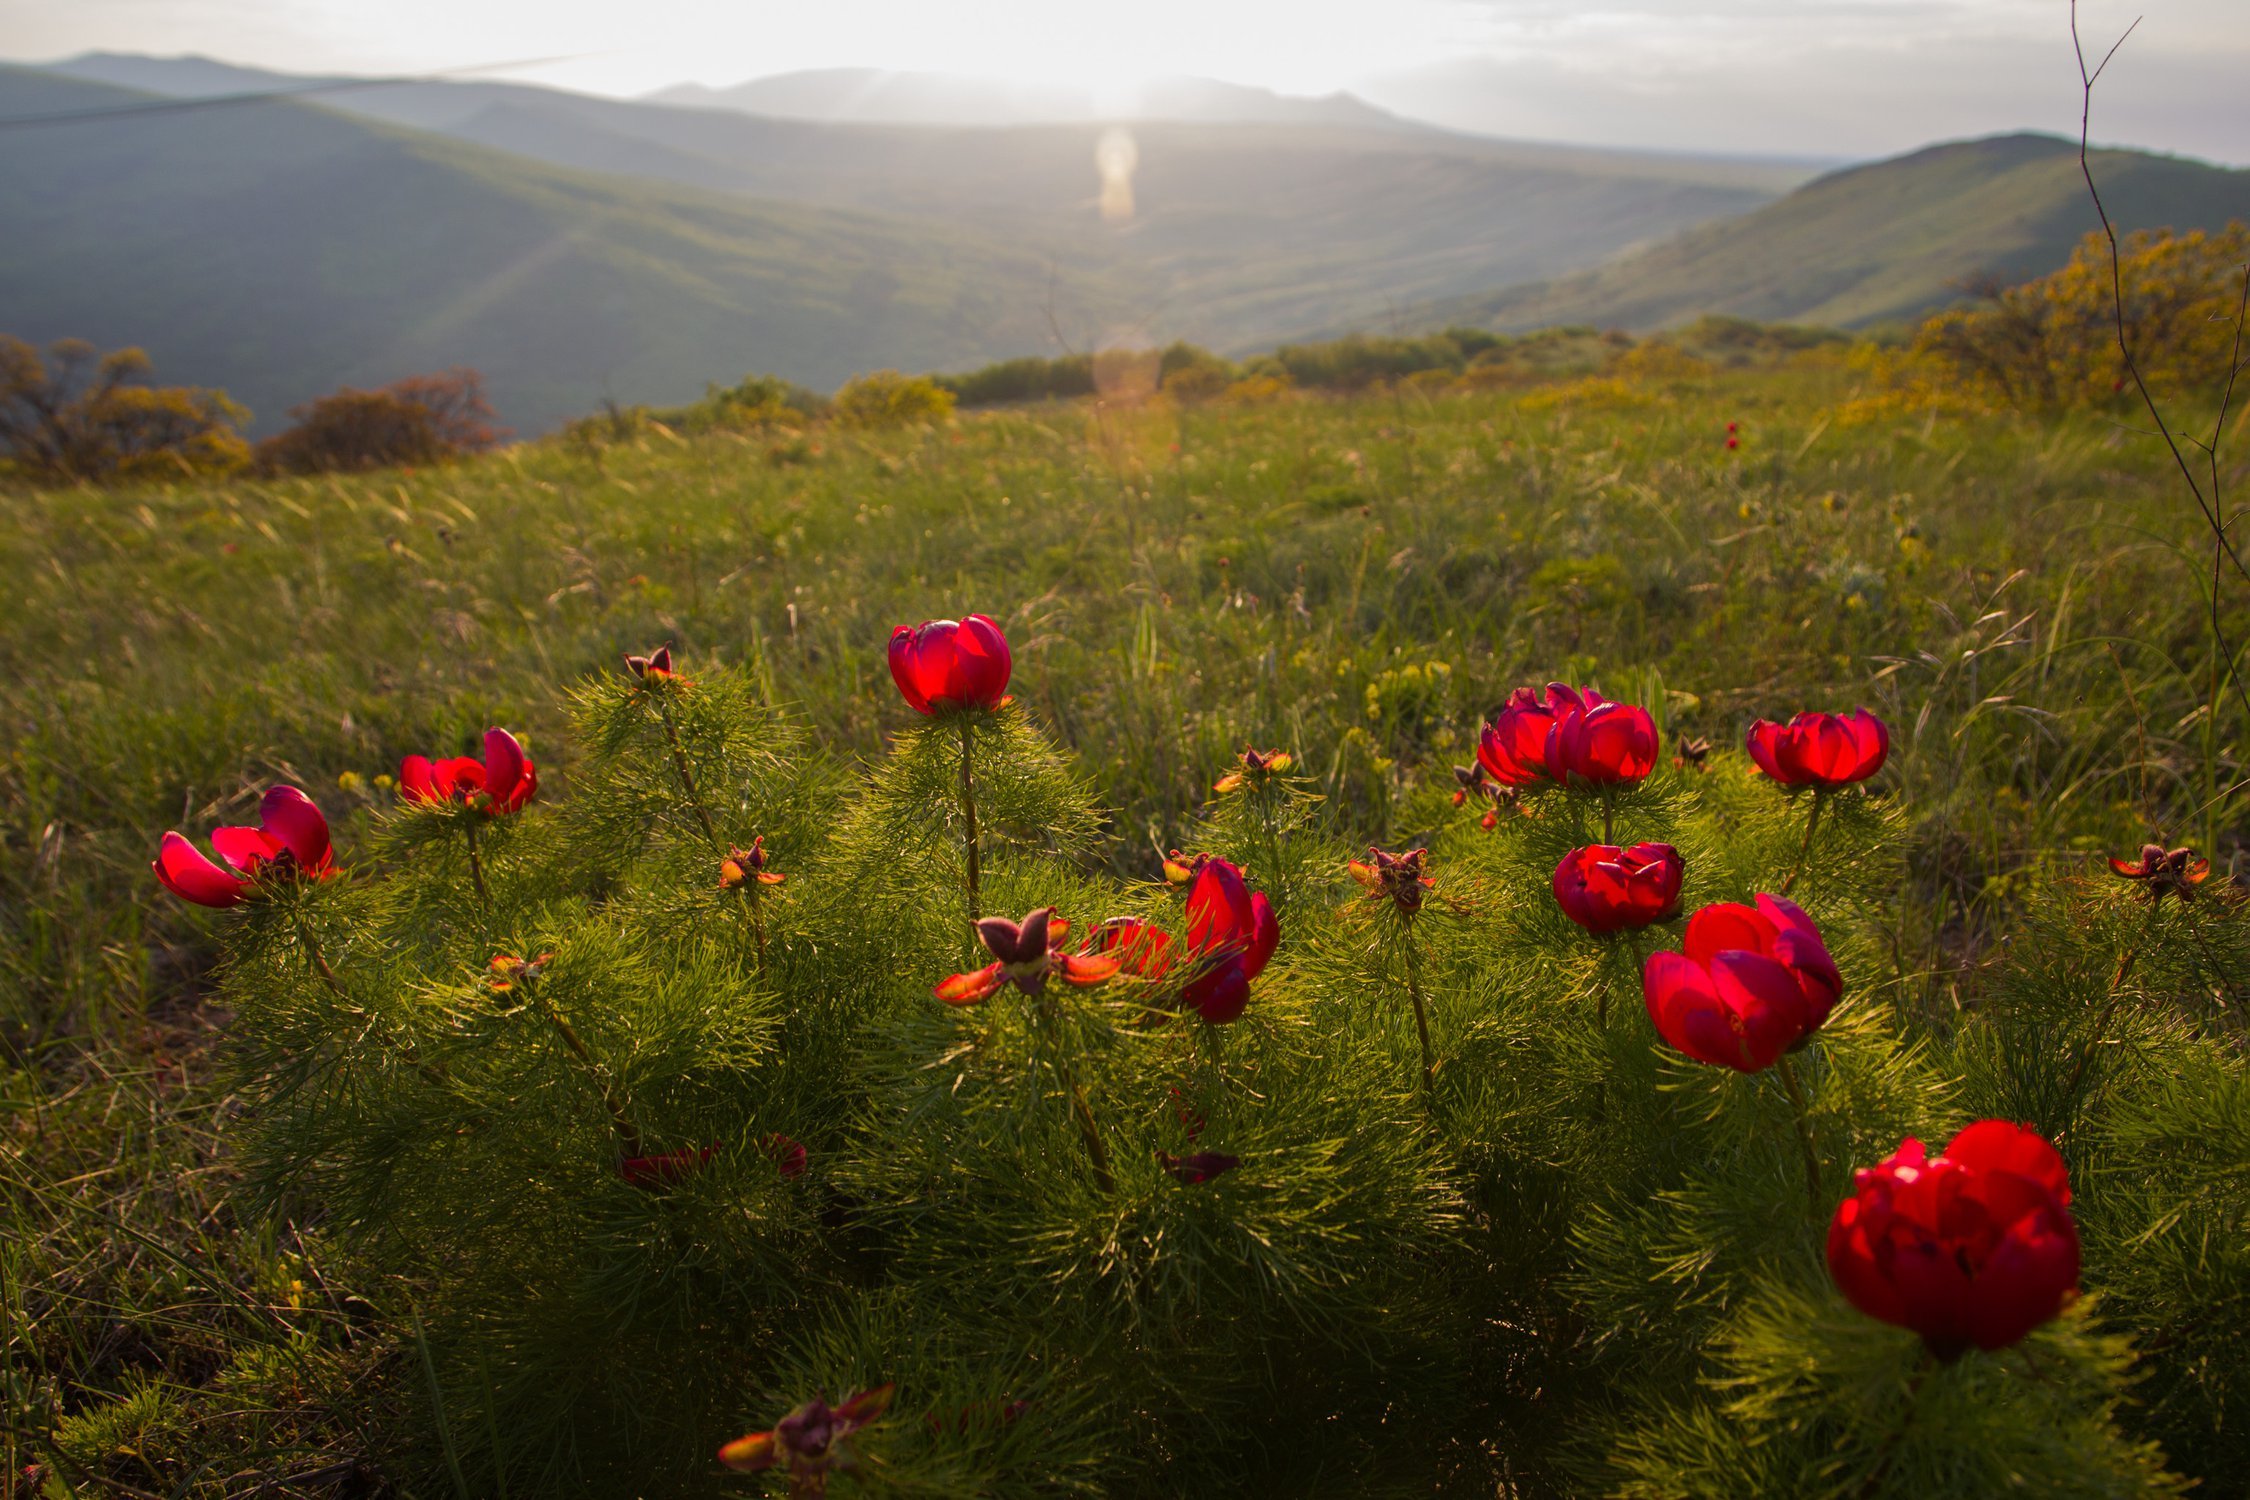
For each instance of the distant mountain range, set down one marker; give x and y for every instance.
(870, 96)
(577, 249)
(1876, 244)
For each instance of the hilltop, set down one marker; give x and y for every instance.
(1876, 243)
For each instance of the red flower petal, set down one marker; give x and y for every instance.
(188, 875)
(290, 816)
(973, 988)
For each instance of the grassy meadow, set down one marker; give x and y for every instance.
(1358, 579)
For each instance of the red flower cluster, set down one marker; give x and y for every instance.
(1607, 889)
(500, 783)
(946, 664)
(1823, 751)
(1975, 1246)
(289, 843)
(1231, 934)
(1567, 735)
(1752, 984)
(807, 1443)
(1024, 954)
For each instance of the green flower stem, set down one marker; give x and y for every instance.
(1804, 850)
(2109, 1008)
(476, 864)
(1089, 1132)
(1421, 1010)
(628, 1135)
(327, 973)
(687, 780)
(975, 866)
(1804, 1128)
(1889, 1455)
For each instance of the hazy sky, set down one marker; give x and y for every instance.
(1817, 77)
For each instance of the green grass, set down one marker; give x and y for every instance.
(1357, 580)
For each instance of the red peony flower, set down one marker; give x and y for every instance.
(1972, 1247)
(2163, 872)
(289, 843)
(1598, 742)
(1201, 1167)
(1607, 889)
(808, 1442)
(1398, 876)
(1024, 954)
(787, 1153)
(1231, 934)
(1825, 751)
(1513, 746)
(741, 866)
(944, 664)
(1751, 985)
(501, 783)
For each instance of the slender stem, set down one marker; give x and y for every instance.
(476, 865)
(969, 822)
(1804, 1128)
(1804, 850)
(757, 918)
(1097, 1154)
(1421, 1011)
(320, 963)
(1272, 871)
(687, 781)
(1609, 816)
(2109, 1009)
(353, 1008)
(1884, 1460)
(628, 1135)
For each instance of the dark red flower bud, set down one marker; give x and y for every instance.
(501, 783)
(655, 668)
(946, 664)
(1607, 889)
(807, 1443)
(787, 1154)
(2165, 872)
(1752, 984)
(1824, 751)
(290, 843)
(665, 1168)
(1973, 1247)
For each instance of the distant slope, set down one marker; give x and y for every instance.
(868, 96)
(1244, 234)
(280, 250)
(1870, 244)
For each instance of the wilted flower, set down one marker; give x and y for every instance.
(742, 865)
(506, 971)
(1604, 888)
(1752, 984)
(1257, 768)
(665, 1168)
(809, 1442)
(1470, 782)
(1024, 954)
(1823, 751)
(1232, 932)
(1975, 1246)
(500, 783)
(290, 843)
(1200, 1167)
(2163, 872)
(1180, 868)
(1398, 876)
(946, 664)
(655, 668)
(1692, 753)
(1599, 742)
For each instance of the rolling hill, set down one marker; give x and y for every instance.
(279, 249)
(1878, 243)
(1243, 234)
(874, 96)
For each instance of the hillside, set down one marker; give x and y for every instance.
(1244, 234)
(281, 249)
(1870, 244)
(874, 96)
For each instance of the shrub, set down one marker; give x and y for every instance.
(76, 416)
(889, 399)
(422, 419)
(2051, 344)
